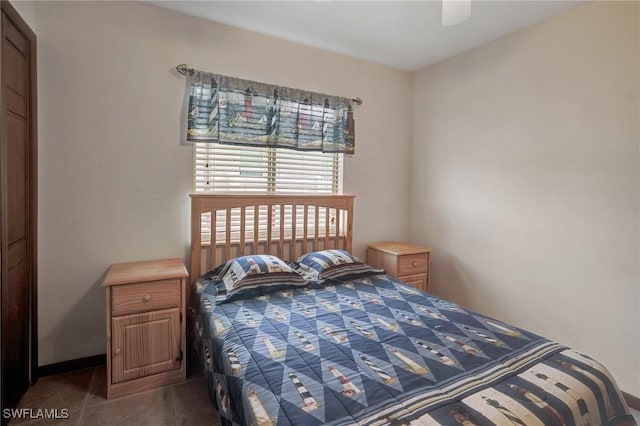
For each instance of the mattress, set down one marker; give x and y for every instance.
(374, 351)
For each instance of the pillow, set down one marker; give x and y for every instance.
(333, 265)
(254, 275)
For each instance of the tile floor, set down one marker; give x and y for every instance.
(83, 393)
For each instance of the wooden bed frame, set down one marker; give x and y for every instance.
(312, 237)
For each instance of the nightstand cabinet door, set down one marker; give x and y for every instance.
(145, 344)
(419, 281)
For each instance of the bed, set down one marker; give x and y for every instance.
(333, 341)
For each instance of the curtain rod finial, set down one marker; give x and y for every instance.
(358, 101)
(184, 70)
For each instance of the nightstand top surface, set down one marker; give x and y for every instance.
(398, 248)
(149, 270)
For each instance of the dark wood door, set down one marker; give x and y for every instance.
(17, 187)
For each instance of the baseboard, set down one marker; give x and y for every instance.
(71, 365)
(632, 400)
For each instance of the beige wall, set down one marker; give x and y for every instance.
(524, 163)
(525, 180)
(27, 10)
(114, 178)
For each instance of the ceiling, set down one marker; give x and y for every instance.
(402, 34)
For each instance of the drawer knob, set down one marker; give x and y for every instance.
(146, 298)
(415, 264)
(116, 351)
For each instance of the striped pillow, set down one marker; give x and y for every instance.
(332, 265)
(255, 275)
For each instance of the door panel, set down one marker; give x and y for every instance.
(17, 190)
(15, 53)
(145, 344)
(15, 369)
(418, 281)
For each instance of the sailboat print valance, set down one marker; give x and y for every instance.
(234, 111)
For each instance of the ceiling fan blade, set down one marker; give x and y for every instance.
(455, 11)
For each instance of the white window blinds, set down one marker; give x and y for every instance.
(241, 169)
(229, 168)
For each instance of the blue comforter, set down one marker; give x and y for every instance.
(375, 351)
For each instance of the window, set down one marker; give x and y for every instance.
(231, 168)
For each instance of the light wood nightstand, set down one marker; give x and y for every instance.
(146, 333)
(409, 263)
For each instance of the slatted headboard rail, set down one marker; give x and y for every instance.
(312, 235)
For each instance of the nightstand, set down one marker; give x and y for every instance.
(145, 325)
(409, 263)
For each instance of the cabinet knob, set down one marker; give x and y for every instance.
(146, 298)
(116, 351)
(415, 264)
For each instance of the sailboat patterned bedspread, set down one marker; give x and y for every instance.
(374, 351)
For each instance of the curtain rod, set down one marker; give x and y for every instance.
(185, 70)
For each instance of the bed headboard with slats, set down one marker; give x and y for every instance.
(229, 225)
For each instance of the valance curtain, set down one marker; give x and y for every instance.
(241, 112)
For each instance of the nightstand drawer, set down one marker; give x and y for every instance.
(146, 296)
(412, 264)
